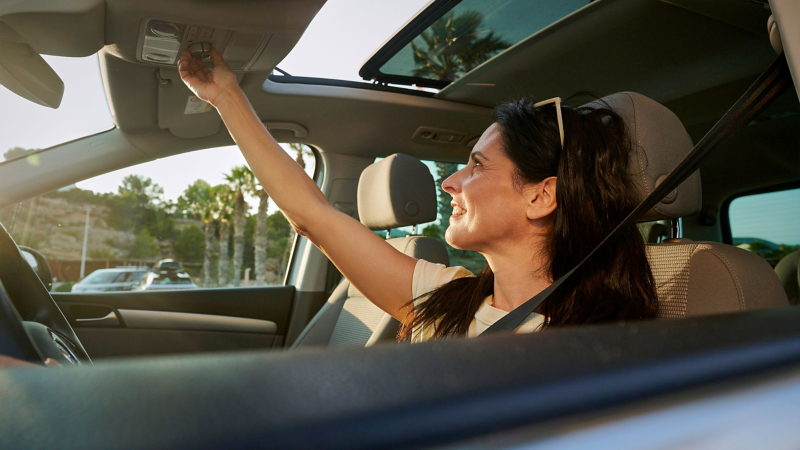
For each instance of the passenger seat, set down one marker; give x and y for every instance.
(692, 278)
(395, 192)
(788, 271)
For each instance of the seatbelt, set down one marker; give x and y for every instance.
(772, 83)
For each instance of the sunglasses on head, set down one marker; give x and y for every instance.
(557, 101)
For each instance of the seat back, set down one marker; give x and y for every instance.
(397, 191)
(692, 278)
(788, 271)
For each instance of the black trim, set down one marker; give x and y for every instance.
(724, 214)
(348, 84)
(371, 69)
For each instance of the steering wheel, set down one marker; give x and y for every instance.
(32, 326)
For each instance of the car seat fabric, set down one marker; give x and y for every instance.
(659, 142)
(700, 278)
(394, 192)
(692, 278)
(788, 271)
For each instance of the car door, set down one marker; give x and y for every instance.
(192, 208)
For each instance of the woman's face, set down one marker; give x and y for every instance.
(489, 210)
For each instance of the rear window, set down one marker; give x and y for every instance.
(767, 224)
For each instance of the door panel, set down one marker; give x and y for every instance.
(120, 324)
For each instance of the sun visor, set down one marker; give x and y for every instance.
(75, 28)
(180, 111)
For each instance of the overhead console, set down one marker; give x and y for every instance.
(161, 42)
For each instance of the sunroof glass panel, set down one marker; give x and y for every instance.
(473, 32)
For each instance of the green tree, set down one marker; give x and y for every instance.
(198, 200)
(261, 241)
(144, 246)
(16, 152)
(189, 245)
(241, 182)
(280, 234)
(454, 45)
(142, 189)
(225, 199)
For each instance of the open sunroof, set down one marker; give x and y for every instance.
(451, 37)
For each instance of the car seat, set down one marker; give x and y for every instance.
(692, 278)
(788, 271)
(397, 191)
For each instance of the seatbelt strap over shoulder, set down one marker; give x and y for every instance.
(771, 84)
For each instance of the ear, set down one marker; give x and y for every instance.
(542, 199)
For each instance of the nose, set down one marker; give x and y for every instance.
(452, 184)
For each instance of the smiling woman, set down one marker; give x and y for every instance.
(26, 126)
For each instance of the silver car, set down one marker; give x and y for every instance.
(116, 279)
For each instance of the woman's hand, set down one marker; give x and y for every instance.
(208, 85)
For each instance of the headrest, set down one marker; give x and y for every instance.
(659, 143)
(396, 192)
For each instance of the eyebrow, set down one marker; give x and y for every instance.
(475, 155)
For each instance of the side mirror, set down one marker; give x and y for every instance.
(39, 264)
(24, 72)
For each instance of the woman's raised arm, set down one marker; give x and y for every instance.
(375, 268)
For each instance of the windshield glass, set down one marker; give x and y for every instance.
(473, 32)
(344, 34)
(26, 127)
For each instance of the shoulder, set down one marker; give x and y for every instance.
(429, 276)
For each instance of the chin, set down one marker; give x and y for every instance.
(456, 239)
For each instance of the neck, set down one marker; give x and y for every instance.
(519, 274)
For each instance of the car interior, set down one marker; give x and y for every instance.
(283, 365)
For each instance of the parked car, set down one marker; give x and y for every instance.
(167, 274)
(124, 278)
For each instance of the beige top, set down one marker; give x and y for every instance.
(429, 276)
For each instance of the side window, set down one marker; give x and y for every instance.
(194, 220)
(473, 261)
(766, 224)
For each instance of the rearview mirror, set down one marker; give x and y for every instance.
(24, 72)
(39, 265)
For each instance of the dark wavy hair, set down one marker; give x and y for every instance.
(594, 193)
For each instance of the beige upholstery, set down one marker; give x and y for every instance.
(659, 143)
(394, 192)
(700, 278)
(788, 271)
(692, 278)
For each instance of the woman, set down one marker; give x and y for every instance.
(543, 186)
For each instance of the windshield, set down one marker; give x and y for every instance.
(26, 127)
(330, 50)
(470, 34)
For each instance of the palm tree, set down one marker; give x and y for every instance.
(261, 237)
(225, 199)
(454, 45)
(198, 200)
(301, 152)
(241, 181)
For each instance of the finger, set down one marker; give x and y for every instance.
(217, 59)
(199, 70)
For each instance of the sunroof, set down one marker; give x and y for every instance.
(445, 42)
